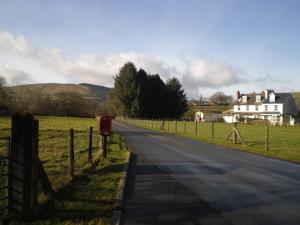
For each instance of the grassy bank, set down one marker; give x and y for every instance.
(284, 142)
(89, 197)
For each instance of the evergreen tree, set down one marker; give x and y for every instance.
(142, 93)
(125, 90)
(137, 94)
(176, 101)
(156, 97)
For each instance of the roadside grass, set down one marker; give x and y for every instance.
(89, 197)
(284, 142)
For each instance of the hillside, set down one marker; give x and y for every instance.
(90, 91)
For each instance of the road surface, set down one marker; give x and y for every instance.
(175, 180)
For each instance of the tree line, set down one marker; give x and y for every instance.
(139, 94)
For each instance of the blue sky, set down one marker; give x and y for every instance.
(211, 46)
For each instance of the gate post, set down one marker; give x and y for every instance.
(22, 160)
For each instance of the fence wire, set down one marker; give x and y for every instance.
(55, 154)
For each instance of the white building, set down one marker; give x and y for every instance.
(278, 108)
(207, 117)
(228, 116)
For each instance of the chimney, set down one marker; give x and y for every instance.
(266, 94)
(238, 95)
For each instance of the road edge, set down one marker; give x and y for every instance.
(120, 197)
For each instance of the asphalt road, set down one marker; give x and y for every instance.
(175, 180)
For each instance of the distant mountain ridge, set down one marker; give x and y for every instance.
(90, 91)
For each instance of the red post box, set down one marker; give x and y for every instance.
(105, 125)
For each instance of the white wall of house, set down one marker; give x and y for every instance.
(259, 108)
(229, 119)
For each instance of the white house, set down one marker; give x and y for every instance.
(278, 108)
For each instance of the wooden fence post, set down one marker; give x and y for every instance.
(104, 147)
(168, 126)
(35, 168)
(21, 160)
(234, 139)
(71, 149)
(90, 149)
(267, 138)
(212, 130)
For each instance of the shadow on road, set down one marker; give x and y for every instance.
(154, 197)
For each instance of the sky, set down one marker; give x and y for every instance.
(216, 45)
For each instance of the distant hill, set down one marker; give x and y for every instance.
(89, 91)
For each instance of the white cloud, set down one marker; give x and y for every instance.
(211, 74)
(15, 77)
(101, 69)
(86, 68)
(16, 45)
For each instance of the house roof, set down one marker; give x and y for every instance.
(251, 99)
(279, 98)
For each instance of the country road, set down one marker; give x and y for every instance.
(180, 181)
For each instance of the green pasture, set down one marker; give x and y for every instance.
(284, 142)
(89, 197)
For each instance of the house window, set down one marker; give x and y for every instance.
(256, 107)
(266, 107)
(247, 107)
(276, 107)
(272, 97)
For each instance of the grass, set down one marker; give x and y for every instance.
(284, 142)
(89, 197)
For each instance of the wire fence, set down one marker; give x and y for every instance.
(278, 139)
(54, 152)
(55, 155)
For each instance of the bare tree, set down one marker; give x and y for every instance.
(219, 98)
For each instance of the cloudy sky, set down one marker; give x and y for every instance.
(215, 45)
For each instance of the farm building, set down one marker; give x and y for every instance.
(201, 116)
(277, 108)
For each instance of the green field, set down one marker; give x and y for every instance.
(284, 142)
(89, 197)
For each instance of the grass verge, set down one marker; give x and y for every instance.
(89, 198)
